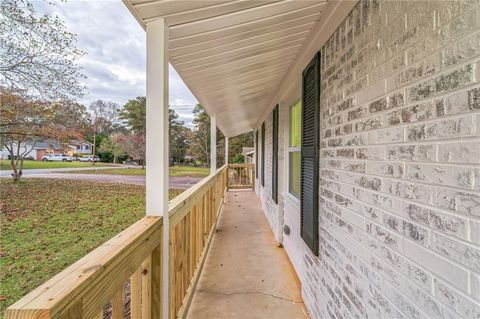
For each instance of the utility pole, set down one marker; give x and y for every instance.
(94, 137)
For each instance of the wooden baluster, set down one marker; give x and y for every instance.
(118, 304)
(172, 272)
(156, 281)
(136, 294)
(147, 288)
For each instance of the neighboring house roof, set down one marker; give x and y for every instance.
(248, 150)
(77, 142)
(48, 144)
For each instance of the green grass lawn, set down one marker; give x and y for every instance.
(47, 225)
(5, 165)
(189, 171)
(174, 171)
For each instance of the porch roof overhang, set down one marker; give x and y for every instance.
(238, 56)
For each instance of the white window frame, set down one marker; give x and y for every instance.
(293, 196)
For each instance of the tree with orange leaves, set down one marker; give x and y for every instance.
(25, 121)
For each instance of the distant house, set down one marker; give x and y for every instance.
(248, 153)
(83, 147)
(46, 147)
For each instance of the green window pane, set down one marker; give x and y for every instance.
(295, 124)
(294, 169)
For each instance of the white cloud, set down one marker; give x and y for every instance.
(115, 50)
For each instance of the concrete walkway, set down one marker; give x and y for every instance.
(246, 275)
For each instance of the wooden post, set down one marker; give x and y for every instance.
(157, 147)
(213, 144)
(226, 150)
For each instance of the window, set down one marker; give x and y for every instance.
(275, 156)
(294, 149)
(256, 154)
(263, 154)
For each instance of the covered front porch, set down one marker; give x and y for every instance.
(224, 263)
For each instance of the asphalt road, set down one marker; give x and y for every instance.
(179, 182)
(56, 170)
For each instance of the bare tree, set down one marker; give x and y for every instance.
(106, 119)
(134, 146)
(37, 53)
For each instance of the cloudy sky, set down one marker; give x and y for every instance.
(114, 44)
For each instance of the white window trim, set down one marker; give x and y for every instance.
(291, 196)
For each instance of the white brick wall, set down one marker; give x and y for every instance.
(269, 206)
(400, 166)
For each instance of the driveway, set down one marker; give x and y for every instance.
(179, 182)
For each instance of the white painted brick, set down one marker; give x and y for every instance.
(387, 169)
(442, 129)
(445, 269)
(371, 153)
(459, 176)
(437, 220)
(421, 153)
(459, 152)
(475, 232)
(464, 254)
(475, 286)
(460, 201)
(390, 135)
(457, 301)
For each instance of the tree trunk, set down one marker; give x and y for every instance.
(15, 174)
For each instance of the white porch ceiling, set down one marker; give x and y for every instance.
(233, 55)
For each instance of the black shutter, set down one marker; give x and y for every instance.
(275, 156)
(309, 153)
(256, 154)
(263, 154)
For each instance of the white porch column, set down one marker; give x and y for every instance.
(226, 150)
(213, 144)
(157, 137)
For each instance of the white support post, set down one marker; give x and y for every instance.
(213, 144)
(157, 137)
(226, 150)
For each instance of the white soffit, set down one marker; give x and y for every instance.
(233, 55)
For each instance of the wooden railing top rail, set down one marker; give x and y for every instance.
(84, 284)
(241, 165)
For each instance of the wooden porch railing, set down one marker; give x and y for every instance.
(133, 259)
(241, 176)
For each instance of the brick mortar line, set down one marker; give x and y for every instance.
(403, 200)
(456, 188)
(400, 125)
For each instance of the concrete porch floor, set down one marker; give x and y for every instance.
(246, 275)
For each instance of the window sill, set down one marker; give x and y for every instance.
(294, 201)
